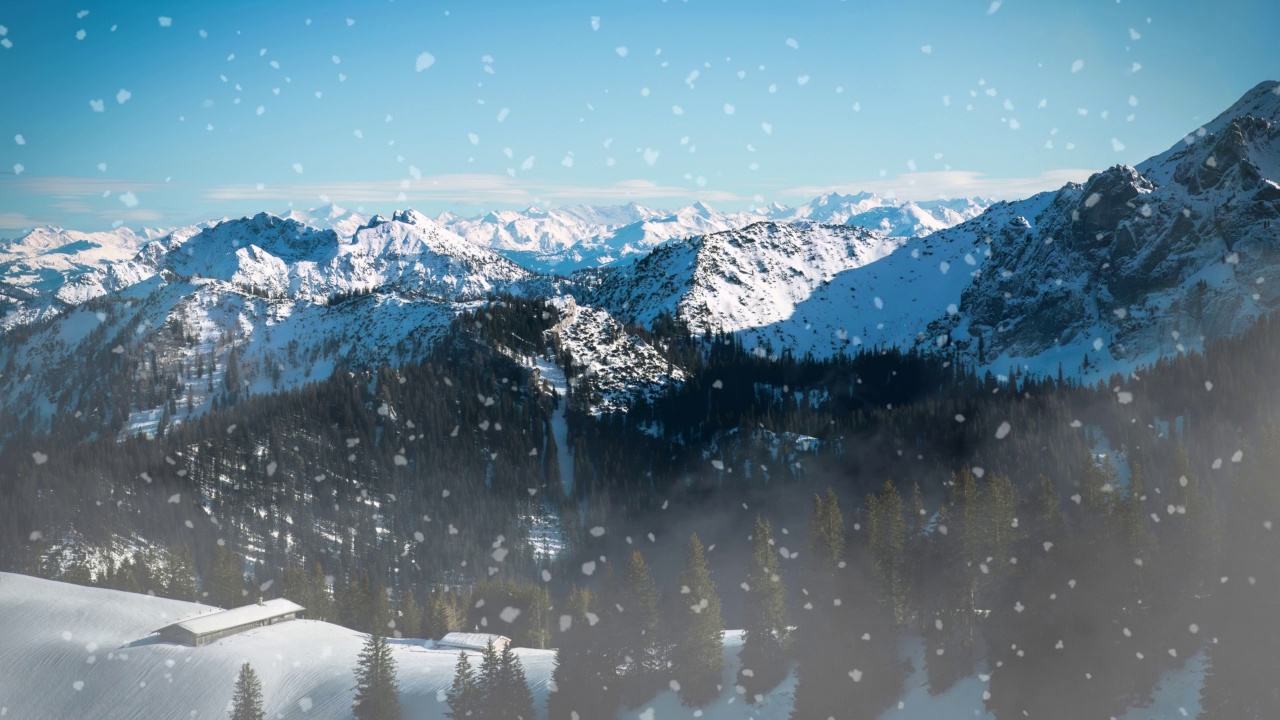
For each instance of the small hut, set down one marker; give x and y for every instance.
(204, 629)
(475, 642)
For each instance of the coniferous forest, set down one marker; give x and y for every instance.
(1068, 542)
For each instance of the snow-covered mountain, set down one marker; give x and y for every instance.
(611, 366)
(329, 217)
(1136, 262)
(737, 280)
(1133, 264)
(897, 219)
(50, 268)
(279, 302)
(567, 239)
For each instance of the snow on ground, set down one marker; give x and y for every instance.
(961, 700)
(551, 371)
(615, 367)
(730, 705)
(74, 652)
(1177, 694)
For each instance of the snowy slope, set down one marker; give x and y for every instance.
(1136, 262)
(73, 651)
(890, 301)
(612, 367)
(49, 268)
(739, 280)
(292, 301)
(1096, 277)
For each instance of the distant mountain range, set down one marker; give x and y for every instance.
(1136, 263)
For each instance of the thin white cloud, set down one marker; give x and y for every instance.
(472, 189)
(19, 221)
(67, 186)
(950, 184)
(135, 215)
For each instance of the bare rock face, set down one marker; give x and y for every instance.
(1137, 262)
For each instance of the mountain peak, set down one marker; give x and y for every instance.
(1261, 101)
(412, 217)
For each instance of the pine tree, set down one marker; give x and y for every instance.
(356, 604)
(380, 610)
(845, 640)
(826, 543)
(228, 586)
(698, 656)
(464, 695)
(584, 683)
(947, 622)
(377, 694)
(441, 616)
(917, 548)
(320, 604)
(1000, 515)
(410, 622)
(180, 580)
(819, 652)
(766, 635)
(637, 631)
(246, 703)
(490, 678)
(887, 530)
(511, 699)
(1240, 681)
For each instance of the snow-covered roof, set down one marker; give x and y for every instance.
(472, 641)
(227, 619)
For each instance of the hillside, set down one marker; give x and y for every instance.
(73, 650)
(1138, 262)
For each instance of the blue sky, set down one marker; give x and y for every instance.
(169, 112)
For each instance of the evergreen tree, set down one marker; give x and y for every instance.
(637, 630)
(246, 703)
(947, 622)
(441, 616)
(180, 579)
(1241, 680)
(916, 565)
(584, 683)
(377, 694)
(380, 611)
(410, 622)
(846, 646)
(319, 597)
(887, 530)
(698, 655)
(228, 587)
(464, 696)
(490, 679)
(357, 605)
(766, 635)
(511, 699)
(821, 653)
